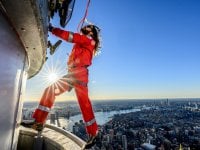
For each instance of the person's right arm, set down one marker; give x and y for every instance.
(71, 37)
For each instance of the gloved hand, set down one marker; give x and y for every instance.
(50, 28)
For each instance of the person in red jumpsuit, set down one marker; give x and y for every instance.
(86, 44)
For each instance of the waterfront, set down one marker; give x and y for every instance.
(101, 117)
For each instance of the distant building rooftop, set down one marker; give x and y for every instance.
(148, 146)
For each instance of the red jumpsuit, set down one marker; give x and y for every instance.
(77, 78)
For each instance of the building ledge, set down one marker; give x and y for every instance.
(30, 20)
(53, 138)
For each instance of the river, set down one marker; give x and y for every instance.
(101, 117)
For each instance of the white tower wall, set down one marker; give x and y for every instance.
(13, 61)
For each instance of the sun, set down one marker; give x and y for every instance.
(52, 72)
(52, 77)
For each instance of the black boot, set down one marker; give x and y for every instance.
(27, 123)
(90, 143)
(38, 126)
(33, 124)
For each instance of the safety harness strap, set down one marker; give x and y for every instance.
(81, 83)
(70, 80)
(43, 108)
(89, 123)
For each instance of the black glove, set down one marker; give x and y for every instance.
(50, 28)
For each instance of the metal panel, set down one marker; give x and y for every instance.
(30, 19)
(20, 90)
(12, 64)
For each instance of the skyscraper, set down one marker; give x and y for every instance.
(124, 142)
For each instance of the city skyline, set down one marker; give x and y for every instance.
(149, 49)
(132, 124)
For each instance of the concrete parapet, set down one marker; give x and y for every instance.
(54, 138)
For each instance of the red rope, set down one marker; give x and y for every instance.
(83, 19)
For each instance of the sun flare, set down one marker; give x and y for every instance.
(52, 77)
(52, 72)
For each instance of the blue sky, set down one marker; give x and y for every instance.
(150, 49)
